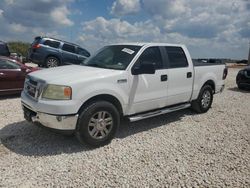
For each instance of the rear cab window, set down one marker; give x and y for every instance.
(68, 48)
(177, 57)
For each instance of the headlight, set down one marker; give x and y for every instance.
(57, 92)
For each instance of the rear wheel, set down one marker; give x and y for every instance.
(97, 124)
(204, 100)
(52, 62)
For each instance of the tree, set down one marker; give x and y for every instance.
(19, 47)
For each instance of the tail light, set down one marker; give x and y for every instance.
(225, 73)
(35, 46)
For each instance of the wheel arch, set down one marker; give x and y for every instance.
(104, 97)
(210, 83)
(52, 55)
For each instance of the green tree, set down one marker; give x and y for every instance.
(19, 47)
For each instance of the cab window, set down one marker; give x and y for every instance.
(5, 64)
(177, 57)
(83, 52)
(68, 48)
(151, 55)
(53, 44)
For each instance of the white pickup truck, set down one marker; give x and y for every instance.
(133, 80)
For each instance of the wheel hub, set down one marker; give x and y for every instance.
(100, 124)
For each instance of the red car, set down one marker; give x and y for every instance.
(12, 75)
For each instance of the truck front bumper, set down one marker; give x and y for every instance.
(58, 122)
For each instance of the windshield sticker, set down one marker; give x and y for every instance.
(128, 51)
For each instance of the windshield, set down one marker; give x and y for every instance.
(115, 57)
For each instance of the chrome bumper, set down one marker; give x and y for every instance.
(59, 122)
(56, 122)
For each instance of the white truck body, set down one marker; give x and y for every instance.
(135, 93)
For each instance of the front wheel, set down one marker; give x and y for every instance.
(52, 62)
(97, 123)
(204, 100)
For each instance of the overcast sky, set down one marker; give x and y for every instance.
(209, 28)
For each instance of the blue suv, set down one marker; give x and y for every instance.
(4, 50)
(50, 52)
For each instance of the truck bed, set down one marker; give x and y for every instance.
(198, 63)
(207, 71)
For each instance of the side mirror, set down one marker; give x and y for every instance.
(144, 68)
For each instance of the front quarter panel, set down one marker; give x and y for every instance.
(116, 86)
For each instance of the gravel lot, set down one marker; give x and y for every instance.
(174, 150)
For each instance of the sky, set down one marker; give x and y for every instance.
(209, 28)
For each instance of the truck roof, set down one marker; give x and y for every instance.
(148, 44)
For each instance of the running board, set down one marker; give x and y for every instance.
(157, 112)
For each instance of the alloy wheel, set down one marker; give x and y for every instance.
(52, 62)
(100, 125)
(206, 99)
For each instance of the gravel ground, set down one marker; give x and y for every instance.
(181, 149)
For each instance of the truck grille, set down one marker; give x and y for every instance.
(33, 87)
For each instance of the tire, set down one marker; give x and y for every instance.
(204, 100)
(52, 62)
(241, 87)
(97, 124)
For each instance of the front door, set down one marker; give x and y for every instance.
(11, 76)
(148, 91)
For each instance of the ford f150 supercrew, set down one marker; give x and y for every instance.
(132, 80)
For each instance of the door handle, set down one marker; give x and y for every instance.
(189, 74)
(164, 77)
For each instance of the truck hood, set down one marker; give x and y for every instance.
(72, 73)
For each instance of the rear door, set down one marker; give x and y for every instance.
(180, 76)
(69, 55)
(149, 91)
(11, 76)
